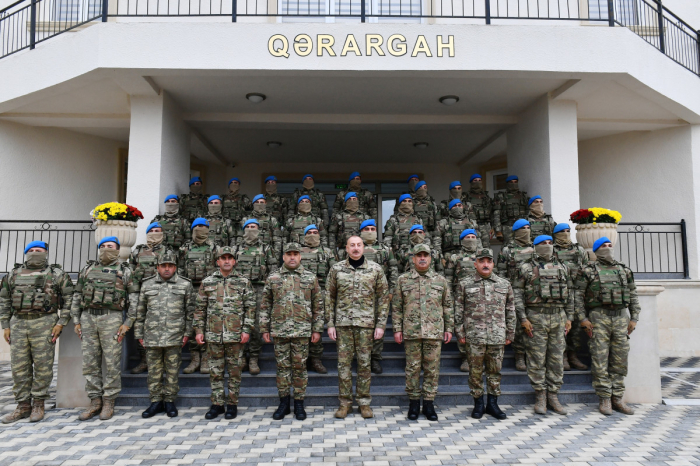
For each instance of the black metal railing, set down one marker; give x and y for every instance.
(71, 242)
(654, 250)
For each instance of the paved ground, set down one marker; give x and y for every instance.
(680, 378)
(658, 434)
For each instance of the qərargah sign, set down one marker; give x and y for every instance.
(395, 45)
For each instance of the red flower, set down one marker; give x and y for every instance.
(134, 211)
(581, 216)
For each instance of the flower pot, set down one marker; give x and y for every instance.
(589, 233)
(122, 229)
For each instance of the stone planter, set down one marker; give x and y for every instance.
(589, 233)
(122, 229)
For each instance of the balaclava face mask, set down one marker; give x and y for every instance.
(605, 254)
(457, 212)
(369, 237)
(469, 243)
(522, 236)
(108, 256)
(563, 239)
(196, 189)
(154, 238)
(422, 192)
(412, 184)
(312, 240)
(214, 209)
(251, 235)
(308, 183)
(456, 193)
(416, 238)
(476, 185)
(406, 208)
(355, 184)
(200, 234)
(537, 209)
(352, 204)
(545, 251)
(304, 207)
(271, 188)
(233, 188)
(36, 260)
(172, 208)
(512, 186)
(259, 207)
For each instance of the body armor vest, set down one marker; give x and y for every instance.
(351, 226)
(378, 255)
(547, 286)
(193, 205)
(316, 262)
(540, 226)
(518, 255)
(234, 208)
(172, 231)
(455, 226)
(33, 292)
(479, 202)
(104, 287)
(404, 224)
(465, 266)
(216, 230)
(515, 207)
(298, 225)
(252, 266)
(573, 258)
(199, 263)
(146, 262)
(614, 288)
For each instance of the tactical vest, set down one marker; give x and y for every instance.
(613, 291)
(192, 205)
(265, 227)
(547, 286)
(402, 235)
(33, 292)
(199, 264)
(275, 206)
(298, 225)
(104, 287)
(573, 258)
(455, 226)
(172, 231)
(479, 202)
(234, 208)
(217, 229)
(465, 266)
(540, 227)
(515, 207)
(518, 255)
(378, 255)
(316, 262)
(422, 210)
(146, 262)
(252, 266)
(351, 226)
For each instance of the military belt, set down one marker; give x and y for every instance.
(102, 312)
(610, 312)
(546, 309)
(32, 315)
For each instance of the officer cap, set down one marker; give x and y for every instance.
(152, 226)
(168, 258)
(310, 227)
(249, 221)
(308, 175)
(225, 250)
(258, 197)
(512, 178)
(411, 177)
(454, 202)
(541, 239)
(422, 247)
(414, 228)
(271, 178)
(302, 198)
(403, 197)
(234, 179)
(561, 226)
(599, 242)
(419, 185)
(368, 223)
(108, 239)
(36, 244)
(289, 247)
(353, 175)
(533, 199)
(171, 196)
(199, 222)
(454, 184)
(213, 198)
(194, 179)
(468, 231)
(484, 252)
(475, 175)
(519, 224)
(349, 195)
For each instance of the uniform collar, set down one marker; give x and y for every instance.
(363, 266)
(478, 277)
(284, 269)
(415, 274)
(172, 279)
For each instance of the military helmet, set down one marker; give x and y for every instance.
(289, 247)
(225, 250)
(484, 252)
(168, 257)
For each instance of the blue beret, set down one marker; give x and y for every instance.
(310, 227)
(213, 198)
(532, 199)
(36, 244)
(303, 197)
(419, 184)
(368, 223)
(455, 183)
(233, 179)
(475, 175)
(403, 197)
(468, 231)
(271, 178)
(249, 221)
(560, 227)
(415, 227)
(542, 238)
(454, 202)
(171, 196)
(258, 197)
(511, 178)
(108, 239)
(199, 221)
(353, 175)
(308, 175)
(194, 179)
(411, 177)
(599, 242)
(349, 195)
(519, 224)
(152, 226)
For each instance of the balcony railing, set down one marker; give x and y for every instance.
(654, 250)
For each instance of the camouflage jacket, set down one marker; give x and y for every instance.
(422, 306)
(343, 226)
(292, 304)
(485, 310)
(426, 208)
(197, 261)
(143, 261)
(607, 286)
(483, 208)
(220, 230)
(353, 293)
(404, 258)
(543, 284)
(382, 255)
(541, 226)
(176, 230)
(510, 258)
(193, 205)
(396, 229)
(296, 223)
(110, 287)
(446, 237)
(319, 206)
(165, 310)
(319, 261)
(225, 308)
(366, 200)
(575, 258)
(459, 266)
(510, 206)
(277, 206)
(270, 232)
(46, 290)
(255, 262)
(236, 206)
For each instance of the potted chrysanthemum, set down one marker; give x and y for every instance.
(594, 223)
(117, 219)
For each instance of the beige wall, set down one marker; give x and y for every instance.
(679, 317)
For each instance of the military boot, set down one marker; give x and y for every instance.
(465, 365)
(620, 406)
(214, 411)
(366, 412)
(244, 364)
(493, 409)
(194, 364)
(317, 366)
(541, 402)
(376, 367)
(107, 409)
(92, 410)
(429, 410)
(299, 411)
(604, 406)
(553, 403)
(231, 412)
(575, 362)
(567, 367)
(253, 366)
(413, 409)
(478, 411)
(343, 412)
(23, 410)
(520, 362)
(170, 409)
(282, 409)
(37, 411)
(155, 408)
(142, 366)
(204, 366)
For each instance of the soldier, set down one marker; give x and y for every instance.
(176, 228)
(236, 205)
(297, 223)
(404, 256)
(575, 258)
(255, 260)
(446, 237)
(163, 326)
(483, 209)
(425, 206)
(485, 322)
(319, 206)
(455, 194)
(366, 201)
(104, 290)
(607, 287)
(540, 223)
(397, 228)
(509, 206)
(319, 260)
(194, 204)
(356, 313)
(380, 253)
(270, 230)
(197, 260)
(292, 312)
(544, 302)
(423, 318)
(276, 205)
(223, 318)
(518, 250)
(220, 228)
(35, 299)
(346, 223)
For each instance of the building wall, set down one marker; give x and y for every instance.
(687, 10)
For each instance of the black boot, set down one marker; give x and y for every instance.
(429, 410)
(478, 411)
(214, 411)
(493, 409)
(299, 410)
(413, 409)
(282, 409)
(155, 408)
(170, 409)
(231, 412)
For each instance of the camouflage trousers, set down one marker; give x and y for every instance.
(32, 355)
(99, 339)
(353, 341)
(507, 230)
(291, 355)
(163, 361)
(609, 348)
(491, 358)
(255, 344)
(575, 336)
(221, 356)
(422, 354)
(193, 345)
(316, 349)
(519, 342)
(545, 350)
(463, 350)
(485, 235)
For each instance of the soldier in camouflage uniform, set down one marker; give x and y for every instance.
(176, 228)
(367, 204)
(297, 223)
(236, 205)
(456, 193)
(163, 325)
(575, 258)
(35, 299)
(220, 228)
(424, 205)
(345, 223)
(509, 206)
(277, 206)
(460, 217)
(544, 302)
(423, 318)
(319, 206)
(514, 253)
(105, 289)
(196, 261)
(356, 313)
(485, 321)
(194, 203)
(540, 223)
(607, 287)
(223, 319)
(483, 209)
(404, 256)
(254, 261)
(292, 312)
(270, 230)
(319, 260)
(396, 229)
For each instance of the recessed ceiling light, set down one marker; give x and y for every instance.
(255, 97)
(420, 145)
(449, 99)
(273, 144)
